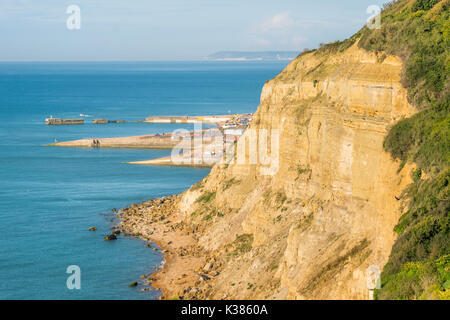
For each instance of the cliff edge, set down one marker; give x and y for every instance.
(312, 227)
(308, 206)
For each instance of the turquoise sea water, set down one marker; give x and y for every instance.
(50, 196)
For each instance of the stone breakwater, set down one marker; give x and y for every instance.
(185, 265)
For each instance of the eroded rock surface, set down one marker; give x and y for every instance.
(312, 228)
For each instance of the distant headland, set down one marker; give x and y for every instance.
(252, 56)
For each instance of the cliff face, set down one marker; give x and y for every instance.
(311, 229)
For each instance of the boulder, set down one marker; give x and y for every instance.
(204, 277)
(111, 237)
(208, 267)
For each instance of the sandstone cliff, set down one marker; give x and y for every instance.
(311, 230)
(313, 227)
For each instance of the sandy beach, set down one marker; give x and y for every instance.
(151, 141)
(204, 152)
(186, 267)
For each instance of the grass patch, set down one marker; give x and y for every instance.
(280, 199)
(416, 175)
(212, 214)
(197, 186)
(302, 170)
(227, 184)
(196, 213)
(337, 46)
(206, 197)
(242, 244)
(305, 223)
(267, 196)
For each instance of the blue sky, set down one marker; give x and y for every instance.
(35, 30)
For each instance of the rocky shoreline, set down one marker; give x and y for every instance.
(311, 229)
(186, 265)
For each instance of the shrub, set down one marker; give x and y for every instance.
(416, 175)
(424, 5)
(227, 184)
(418, 280)
(421, 37)
(243, 243)
(423, 44)
(424, 232)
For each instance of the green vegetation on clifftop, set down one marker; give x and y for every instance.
(418, 31)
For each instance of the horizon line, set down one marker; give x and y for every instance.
(156, 60)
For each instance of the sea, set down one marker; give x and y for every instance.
(51, 196)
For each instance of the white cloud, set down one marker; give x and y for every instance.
(280, 31)
(280, 22)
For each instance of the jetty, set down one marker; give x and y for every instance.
(100, 121)
(187, 119)
(59, 121)
(151, 141)
(106, 121)
(219, 120)
(199, 148)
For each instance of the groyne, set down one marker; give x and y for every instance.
(59, 121)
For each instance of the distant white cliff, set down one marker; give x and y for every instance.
(253, 56)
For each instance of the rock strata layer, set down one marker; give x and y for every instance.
(314, 225)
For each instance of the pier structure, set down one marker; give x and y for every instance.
(59, 121)
(198, 148)
(100, 121)
(188, 119)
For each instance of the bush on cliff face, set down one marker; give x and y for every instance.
(419, 33)
(424, 138)
(419, 280)
(206, 197)
(424, 230)
(424, 5)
